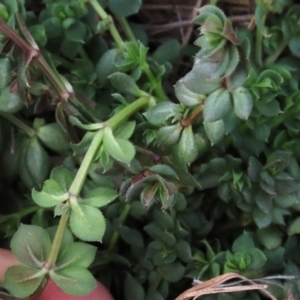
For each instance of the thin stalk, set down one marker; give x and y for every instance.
(258, 45)
(82, 52)
(127, 29)
(273, 57)
(36, 56)
(115, 235)
(159, 92)
(193, 116)
(57, 240)
(86, 163)
(18, 123)
(112, 28)
(126, 112)
(154, 286)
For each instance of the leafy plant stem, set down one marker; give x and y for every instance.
(78, 181)
(35, 55)
(115, 235)
(18, 123)
(258, 44)
(157, 87)
(148, 153)
(196, 112)
(57, 240)
(112, 28)
(119, 41)
(127, 29)
(156, 283)
(273, 57)
(82, 52)
(120, 117)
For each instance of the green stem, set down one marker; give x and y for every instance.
(258, 44)
(112, 28)
(36, 56)
(82, 172)
(193, 116)
(154, 286)
(119, 41)
(115, 235)
(126, 112)
(18, 123)
(127, 29)
(57, 240)
(273, 57)
(159, 92)
(82, 52)
(86, 163)
(258, 47)
(64, 93)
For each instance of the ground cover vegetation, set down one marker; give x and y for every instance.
(107, 174)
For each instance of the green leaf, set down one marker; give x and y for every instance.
(264, 201)
(10, 102)
(107, 65)
(31, 245)
(76, 255)
(124, 84)
(87, 222)
(187, 147)
(258, 259)
(243, 102)
(161, 112)
(294, 227)
(76, 32)
(172, 272)
(38, 33)
(169, 135)
(294, 45)
(119, 149)
(75, 281)
(131, 236)
(22, 281)
(243, 243)
(133, 289)
(124, 8)
(187, 97)
(52, 137)
(126, 130)
(5, 69)
(50, 196)
(164, 220)
(183, 251)
(168, 51)
(270, 237)
(262, 219)
(63, 176)
(37, 162)
(100, 197)
(217, 105)
(164, 170)
(215, 131)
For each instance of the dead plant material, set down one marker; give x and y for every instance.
(214, 286)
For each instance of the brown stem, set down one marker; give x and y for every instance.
(7, 31)
(33, 54)
(192, 117)
(148, 153)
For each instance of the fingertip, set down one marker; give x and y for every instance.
(53, 292)
(7, 259)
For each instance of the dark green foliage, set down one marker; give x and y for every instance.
(191, 187)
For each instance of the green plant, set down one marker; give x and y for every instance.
(194, 187)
